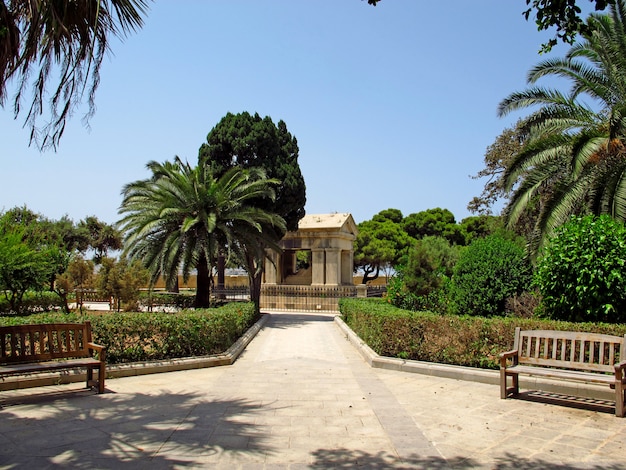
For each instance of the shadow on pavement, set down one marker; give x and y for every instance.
(72, 430)
(294, 320)
(346, 458)
(515, 462)
(349, 459)
(581, 403)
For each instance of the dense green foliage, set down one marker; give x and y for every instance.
(27, 261)
(400, 296)
(564, 15)
(249, 141)
(381, 245)
(37, 253)
(33, 302)
(433, 223)
(179, 218)
(132, 336)
(581, 275)
(421, 284)
(122, 281)
(429, 263)
(157, 300)
(488, 272)
(449, 339)
(574, 145)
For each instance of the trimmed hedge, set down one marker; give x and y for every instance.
(132, 336)
(166, 299)
(33, 302)
(449, 339)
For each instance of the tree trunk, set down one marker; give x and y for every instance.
(255, 276)
(63, 295)
(367, 271)
(203, 290)
(172, 285)
(221, 268)
(255, 290)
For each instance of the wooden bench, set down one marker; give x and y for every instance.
(566, 355)
(27, 349)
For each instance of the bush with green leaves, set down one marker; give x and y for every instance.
(450, 339)
(421, 283)
(138, 336)
(429, 263)
(581, 272)
(32, 302)
(399, 296)
(156, 300)
(488, 272)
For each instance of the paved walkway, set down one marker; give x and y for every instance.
(300, 396)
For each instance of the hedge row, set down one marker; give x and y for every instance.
(448, 339)
(33, 302)
(166, 299)
(133, 336)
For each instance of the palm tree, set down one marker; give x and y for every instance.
(179, 217)
(39, 37)
(573, 157)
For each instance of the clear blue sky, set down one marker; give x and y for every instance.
(393, 106)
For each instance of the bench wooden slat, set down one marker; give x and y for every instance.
(580, 350)
(53, 346)
(568, 355)
(564, 374)
(16, 369)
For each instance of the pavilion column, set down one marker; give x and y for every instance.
(347, 263)
(291, 264)
(318, 266)
(333, 266)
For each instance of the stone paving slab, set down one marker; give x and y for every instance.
(300, 396)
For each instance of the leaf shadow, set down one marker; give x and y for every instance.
(81, 429)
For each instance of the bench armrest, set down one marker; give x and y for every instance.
(505, 356)
(101, 350)
(619, 370)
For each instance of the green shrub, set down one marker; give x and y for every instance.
(166, 299)
(450, 339)
(429, 263)
(488, 272)
(399, 296)
(33, 302)
(581, 273)
(132, 336)
(422, 283)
